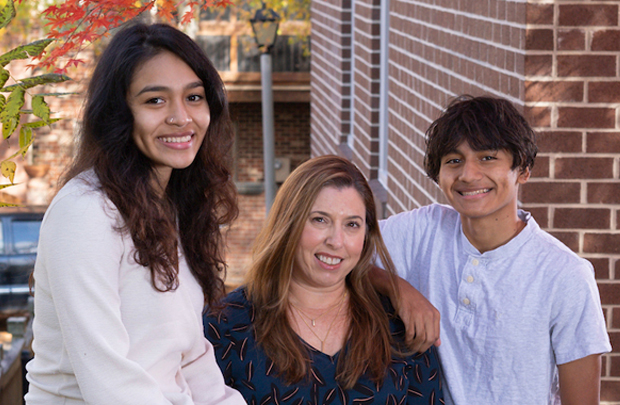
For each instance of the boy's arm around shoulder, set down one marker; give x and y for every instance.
(401, 232)
(420, 317)
(580, 381)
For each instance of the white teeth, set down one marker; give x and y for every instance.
(328, 260)
(484, 190)
(176, 139)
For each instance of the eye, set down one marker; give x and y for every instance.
(318, 220)
(154, 100)
(195, 97)
(489, 157)
(452, 161)
(354, 224)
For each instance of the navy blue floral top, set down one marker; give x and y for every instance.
(411, 380)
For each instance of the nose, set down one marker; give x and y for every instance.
(335, 238)
(470, 171)
(178, 115)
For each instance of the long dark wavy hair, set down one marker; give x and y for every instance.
(369, 345)
(198, 199)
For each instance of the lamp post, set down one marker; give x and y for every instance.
(265, 27)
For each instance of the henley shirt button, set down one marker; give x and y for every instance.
(466, 301)
(470, 279)
(475, 262)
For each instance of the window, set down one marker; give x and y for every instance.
(217, 48)
(287, 54)
(215, 14)
(1, 238)
(248, 55)
(26, 236)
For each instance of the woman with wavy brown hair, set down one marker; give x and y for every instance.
(130, 247)
(309, 327)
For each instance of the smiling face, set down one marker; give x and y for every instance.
(332, 239)
(170, 112)
(481, 184)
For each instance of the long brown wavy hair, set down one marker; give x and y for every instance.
(369, 346)
(198, 199)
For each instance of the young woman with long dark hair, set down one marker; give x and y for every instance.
(130, 247)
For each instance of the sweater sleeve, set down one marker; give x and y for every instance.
(207, 383)
(79, 256)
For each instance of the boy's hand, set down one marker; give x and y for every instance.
(420, 317)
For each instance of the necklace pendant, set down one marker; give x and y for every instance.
(313, 323)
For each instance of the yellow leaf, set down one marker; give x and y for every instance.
(7, 168)
(5, 204)
(3, 186)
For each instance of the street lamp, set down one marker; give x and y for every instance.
(265, 26)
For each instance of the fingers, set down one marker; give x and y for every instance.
(421, 318)
(424, 332)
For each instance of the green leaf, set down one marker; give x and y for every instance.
(40, 108)
(10, 115)
(9, 126)
(38, 80)
(7, 13)
(2, 102)
(25, 136)
(39, 124)
(4, 76)
(25, 51)
(14, 103)
(22, 150)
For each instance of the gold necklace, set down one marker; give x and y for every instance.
(330, 325)
(313, 321)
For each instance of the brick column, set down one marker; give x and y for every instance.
(572, 92)
(366, 76)
(330, 98)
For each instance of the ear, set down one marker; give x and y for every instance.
(524, 175)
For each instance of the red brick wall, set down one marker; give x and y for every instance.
(366, 55)
(572, 95)
(438, 51)
(240, 236)
(292, 139)
(330, 75)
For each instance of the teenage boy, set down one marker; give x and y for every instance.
(521, 320)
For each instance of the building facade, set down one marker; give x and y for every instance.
(383, 70)
(226, 37)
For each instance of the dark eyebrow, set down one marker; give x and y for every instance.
(325, 214)
(147, 89)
